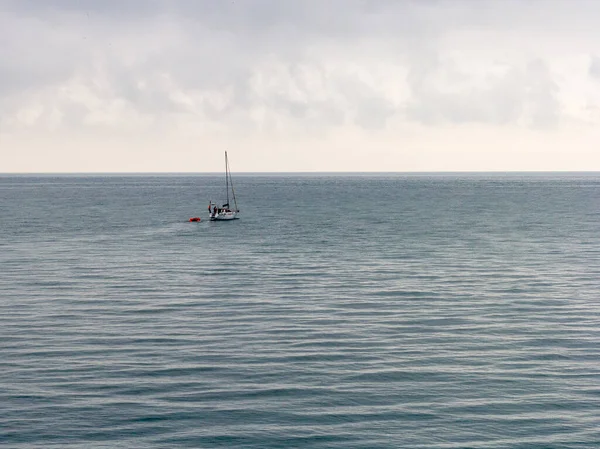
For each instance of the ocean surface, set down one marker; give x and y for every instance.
(340, 311)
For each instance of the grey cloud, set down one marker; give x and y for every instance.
(499, 103)
(266, 21)
(594, 68)
(51, 9)
(542, 95)
(526, 94)
(33, 55)
(373, 112)
(209, 48)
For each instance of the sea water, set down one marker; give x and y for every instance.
(340, 311)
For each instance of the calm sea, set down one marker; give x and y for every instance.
(347, 311)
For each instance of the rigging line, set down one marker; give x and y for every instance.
(232, 190)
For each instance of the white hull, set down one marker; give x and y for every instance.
(222, 216)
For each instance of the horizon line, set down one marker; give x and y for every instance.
(305, 172)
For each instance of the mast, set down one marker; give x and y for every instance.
(227, 178)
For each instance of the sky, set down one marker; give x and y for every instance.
(299, 85)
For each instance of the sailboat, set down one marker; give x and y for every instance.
(225, 212)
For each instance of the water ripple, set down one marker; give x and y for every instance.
(467, 316)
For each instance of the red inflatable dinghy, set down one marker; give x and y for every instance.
(195, 219)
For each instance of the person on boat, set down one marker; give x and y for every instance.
(215, 210)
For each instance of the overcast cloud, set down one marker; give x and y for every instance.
(159, 85)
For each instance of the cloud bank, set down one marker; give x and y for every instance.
(161, 85)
